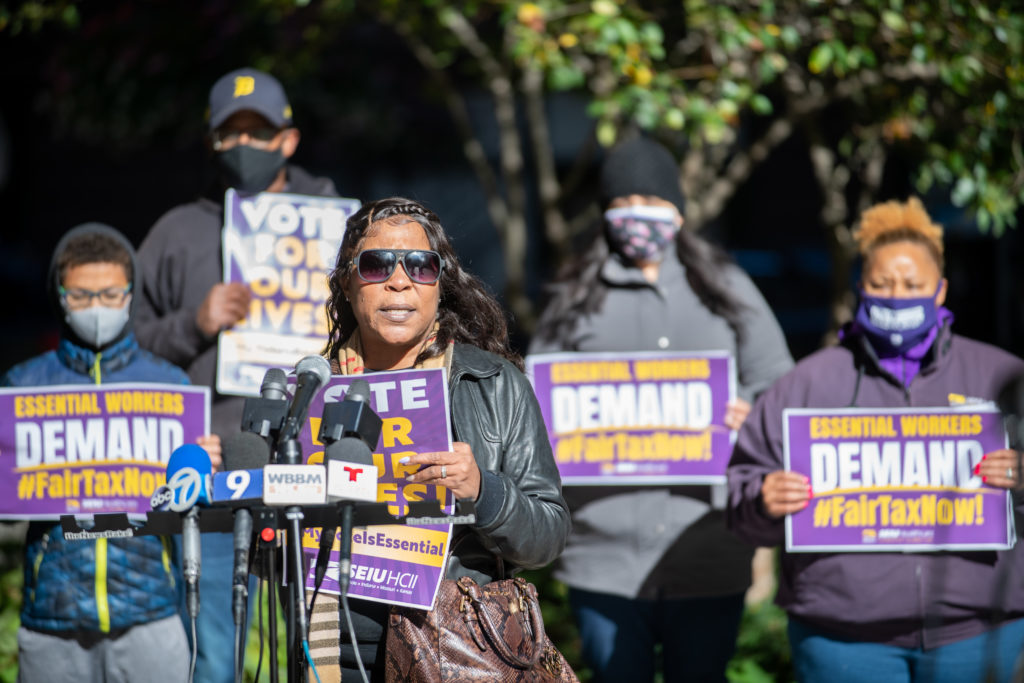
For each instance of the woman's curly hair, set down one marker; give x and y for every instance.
(467, 312)
(895, 221)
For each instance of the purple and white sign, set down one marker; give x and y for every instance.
(283, 246)
(896, 480)
(396, 564)
(636, 418)
(89, 449)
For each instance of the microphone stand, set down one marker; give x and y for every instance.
(290, 453)
(220, 519)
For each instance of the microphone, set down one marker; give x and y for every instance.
(188, 477)
(352, 416)
(351, 475)
(191, 560)
(241, 483)
(244, 456)
(275, 385)
(264, 415)
(351, 429)
(312, 372)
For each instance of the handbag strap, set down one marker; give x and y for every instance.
(527, 605)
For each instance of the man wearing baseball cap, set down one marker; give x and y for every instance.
(184, 303)
(251, 131)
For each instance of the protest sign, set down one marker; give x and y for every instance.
(396, 563)
(636, 418)
(88, 449)
(896, 480)
(283, 246)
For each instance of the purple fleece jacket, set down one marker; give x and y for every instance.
(903, 599)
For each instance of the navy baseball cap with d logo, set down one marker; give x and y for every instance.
(249, 89)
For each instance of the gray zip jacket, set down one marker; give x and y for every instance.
(179, 261)
(651, 541)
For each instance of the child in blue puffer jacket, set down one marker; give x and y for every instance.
(103, 610)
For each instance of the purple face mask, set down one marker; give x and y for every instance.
(641, 233)
(895, 325)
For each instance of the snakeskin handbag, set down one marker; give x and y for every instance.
(474, 633)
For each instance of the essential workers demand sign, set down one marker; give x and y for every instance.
(85, 449)
(896, 480)
(283, 246)
(636, 418)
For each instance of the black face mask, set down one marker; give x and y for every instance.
(248, 169)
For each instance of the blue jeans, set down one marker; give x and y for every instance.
(697, 635)
(215, 627)
(823, 657)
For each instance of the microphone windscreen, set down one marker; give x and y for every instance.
(318, 365)
(245, 451)
(275, 384)
(359, 390)
(188, 476)
(349, 449)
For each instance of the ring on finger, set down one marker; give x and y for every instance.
(444, 471)
(1009, 473)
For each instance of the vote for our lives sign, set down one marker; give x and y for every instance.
(396, 563)
(87, 449)
(896, 480)
(283, 246)
(636, 418)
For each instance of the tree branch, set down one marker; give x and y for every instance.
(500, 86)
(555, 229)
(471, 147)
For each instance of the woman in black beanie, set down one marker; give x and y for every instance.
(646, 564)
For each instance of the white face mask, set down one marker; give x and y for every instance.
(98, 325)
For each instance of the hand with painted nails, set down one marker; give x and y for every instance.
(456, 470)
(1001, 469)
(783, 493)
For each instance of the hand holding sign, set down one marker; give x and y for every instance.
(1001, 469)
(455, 470)
(736, 412)
(783, 493)
(225, 304)
(211, 444)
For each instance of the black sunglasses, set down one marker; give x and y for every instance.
(377, 265)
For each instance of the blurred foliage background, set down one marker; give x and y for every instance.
(788, 118)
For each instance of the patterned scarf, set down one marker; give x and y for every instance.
(326, 621)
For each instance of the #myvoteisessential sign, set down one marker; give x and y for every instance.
(395, 563)
(283, 246)
(85, 449)
(636, 418)
(896, 480)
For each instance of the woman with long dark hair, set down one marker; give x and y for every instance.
(649, 565)
(400, 299)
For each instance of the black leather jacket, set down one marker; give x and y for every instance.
(495, 411)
